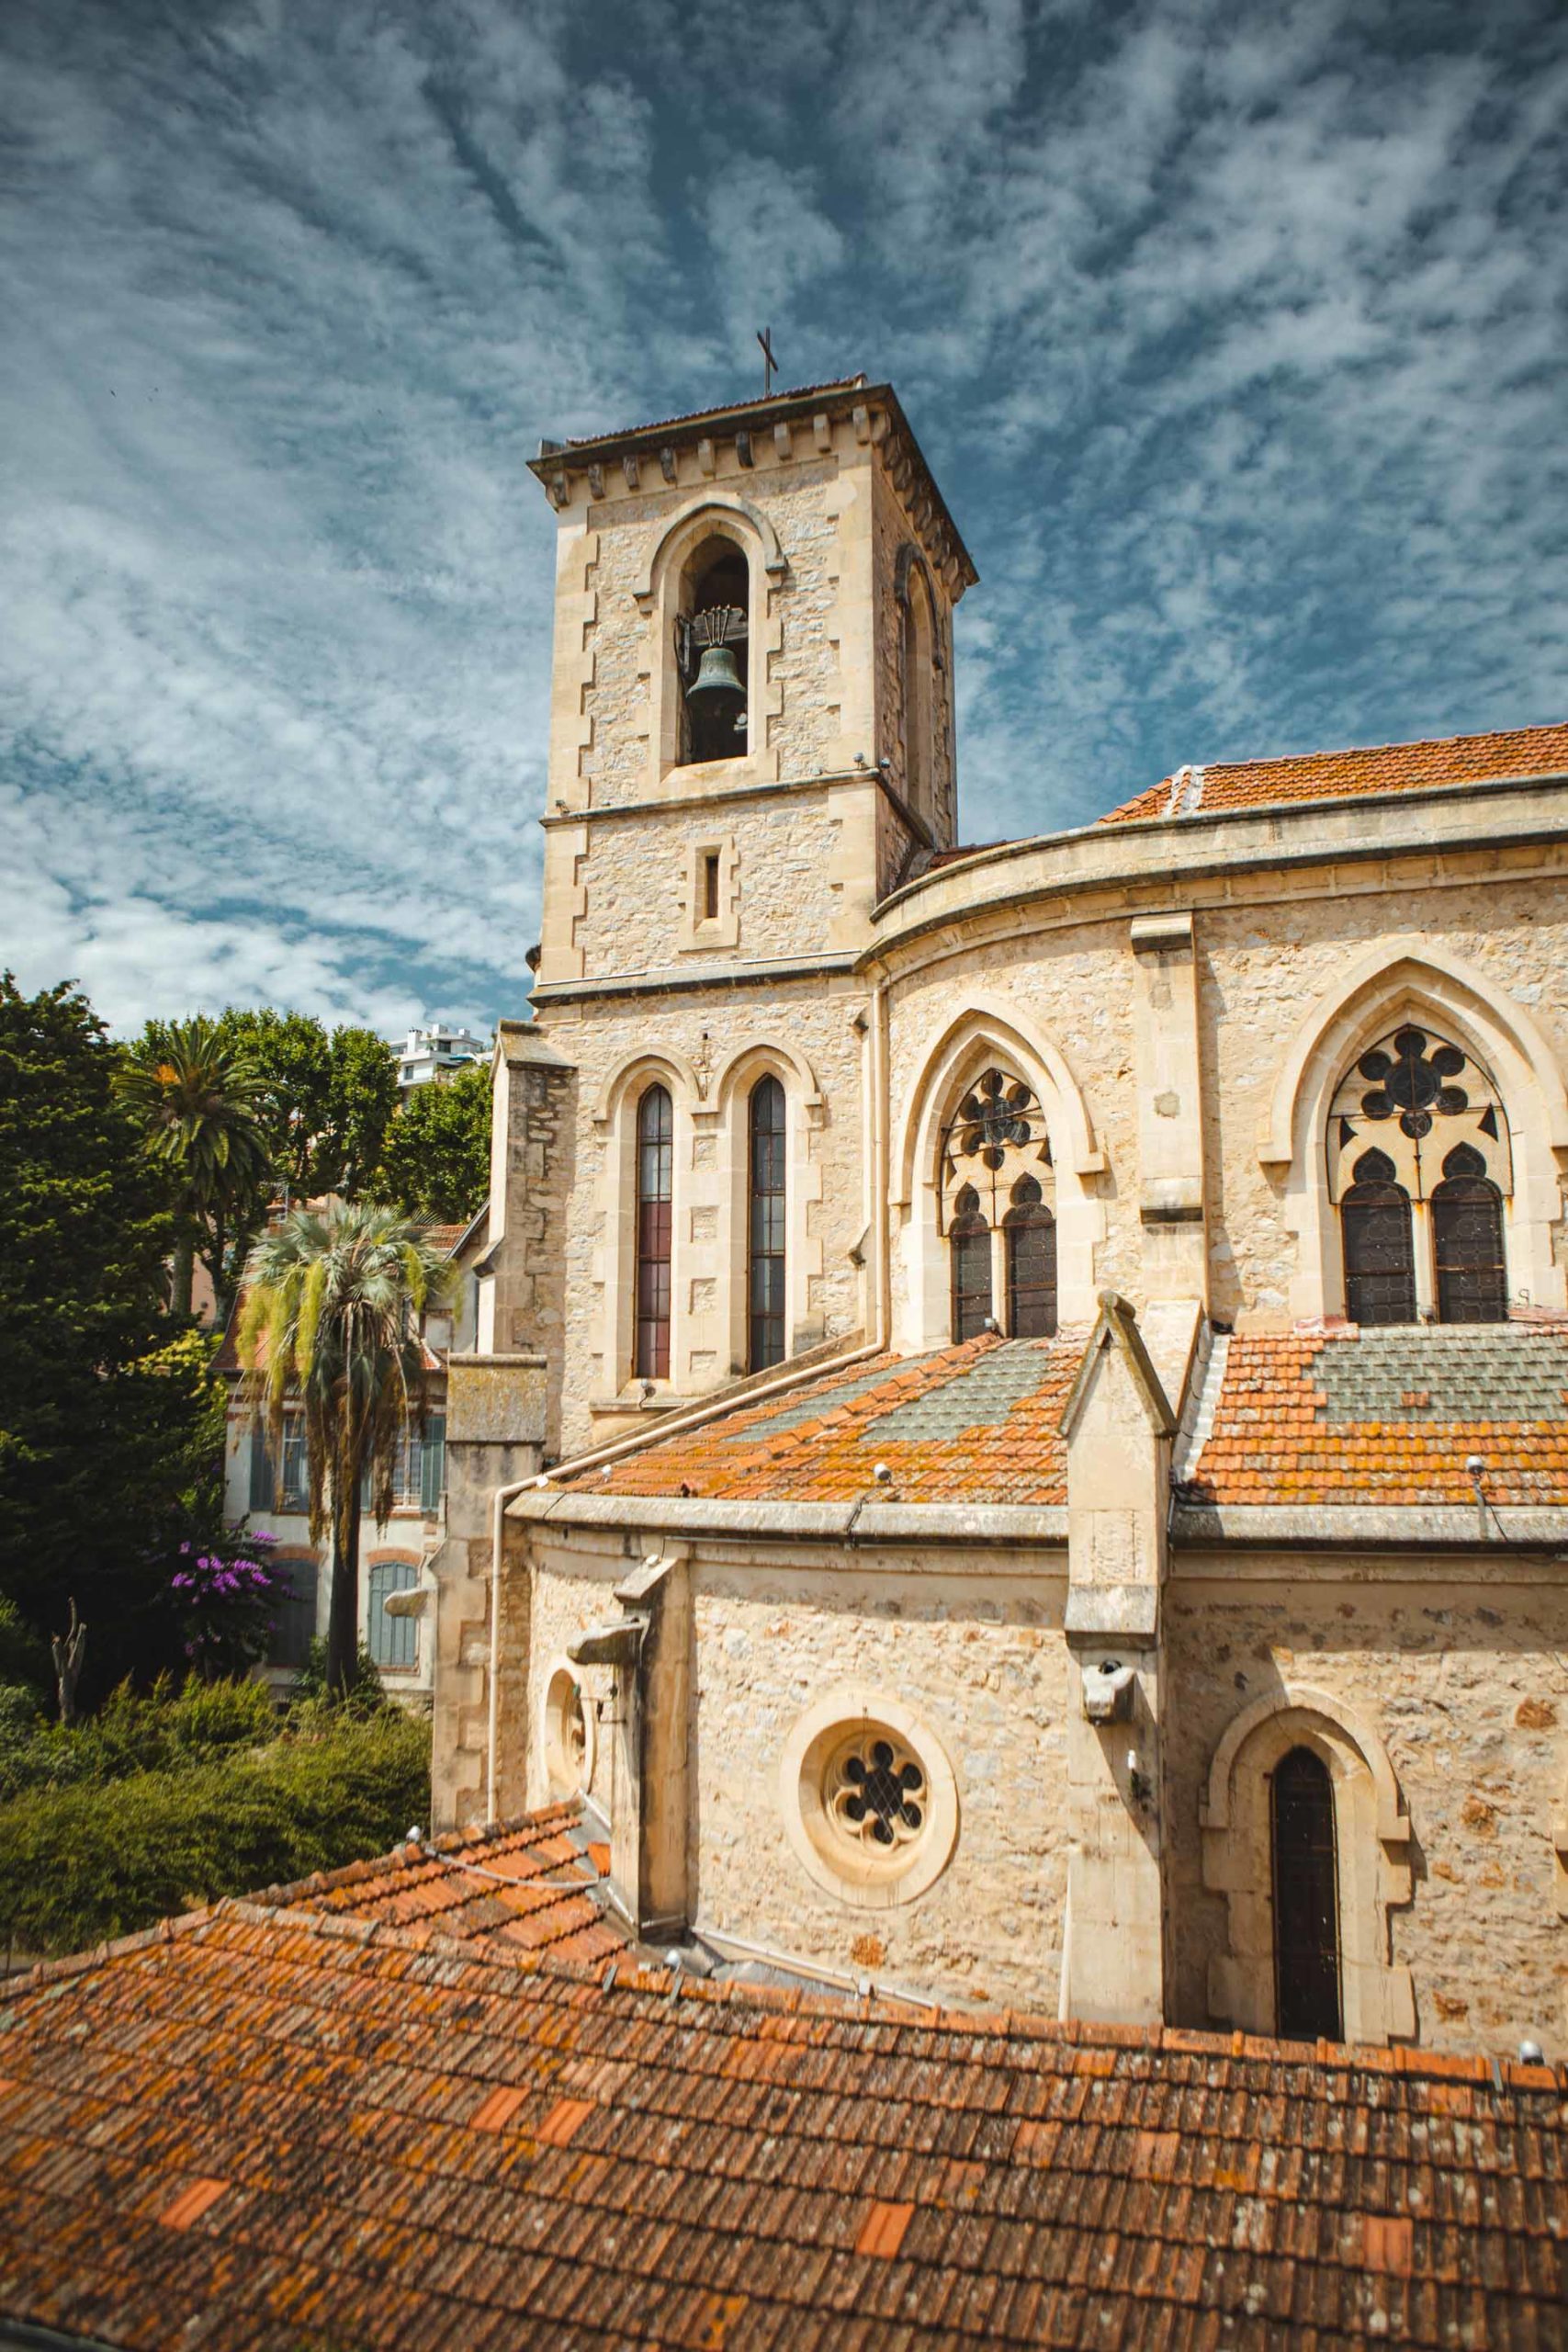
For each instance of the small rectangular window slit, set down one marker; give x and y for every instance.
(710, 886)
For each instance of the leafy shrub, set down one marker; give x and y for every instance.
(132, 1733)
(82, 1863)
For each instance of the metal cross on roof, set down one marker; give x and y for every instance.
(770, 364)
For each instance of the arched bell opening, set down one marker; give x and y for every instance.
(712, 652)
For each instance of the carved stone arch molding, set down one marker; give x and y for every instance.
(694, 523)
(1409, 980)
(644, 1063)
(990, 1029)
(786, 1061)
(1372, 1839)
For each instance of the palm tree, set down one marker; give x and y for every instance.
(200, 1105)
(332, 1302)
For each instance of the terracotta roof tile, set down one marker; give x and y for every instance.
(974, 1423)
(529, 1885)
(1333, 775)
(1324, 1419)
(920, 2179)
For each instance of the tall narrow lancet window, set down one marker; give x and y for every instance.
(970, 1241)
(765, 1270)
(996, 1180)
(1420, 1167)
(712, 653)
(1467, 1235)
(1306, 1899)
(1030, 1234)
(655, 1170)
(1379, 1260)
(917, 692)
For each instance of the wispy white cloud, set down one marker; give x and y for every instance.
(1236, 337)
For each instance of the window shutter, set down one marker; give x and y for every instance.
(433, 1463)
(262, 1489)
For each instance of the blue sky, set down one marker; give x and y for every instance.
(1235, 334)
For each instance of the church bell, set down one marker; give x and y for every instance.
(717, 683)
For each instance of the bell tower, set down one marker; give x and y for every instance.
(751, 721)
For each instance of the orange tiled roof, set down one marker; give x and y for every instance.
(974, 1424)
(1389, 1417)
(1334, 775)
(527, 1887)
(272, 2130)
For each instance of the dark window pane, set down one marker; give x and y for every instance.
(1467, 1234)
(971, 1258)
(1031, 1272)
(1306, 1899)
(264, 1489)
(655, 1170)
(294, 1615)
(1380, 1266)
(765, 1237)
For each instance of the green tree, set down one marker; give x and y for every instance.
(362, 1102)
(291, 1055)
(332, 1316)
(198, 1101)
(435, 1162)
(102, 1424)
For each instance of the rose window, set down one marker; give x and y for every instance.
(994, 1115)
(875, 1795)
(1413, 1083)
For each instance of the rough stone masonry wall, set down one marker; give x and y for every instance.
(797, 501)
(815, 1020)
(1468, 1689)
(781, 865)
(982, 1663)
(1262, 969)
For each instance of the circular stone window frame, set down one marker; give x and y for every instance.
(564, 1784)
(824, 1727)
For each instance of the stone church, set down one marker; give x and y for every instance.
(1017, 1447)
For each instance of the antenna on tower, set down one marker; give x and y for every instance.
(770, 364)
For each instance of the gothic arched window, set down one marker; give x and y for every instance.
(918, 682)
(712, 658)
(970, 1243)
(1306, 1899)
(765, 1236)
(655, 1170)
(1029, 1235)
(996, 1177)
(1421, 1211)
(1467, 1239)
(1380, 1262)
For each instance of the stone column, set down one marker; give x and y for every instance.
(1119, 1425)
(1171, 1107)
